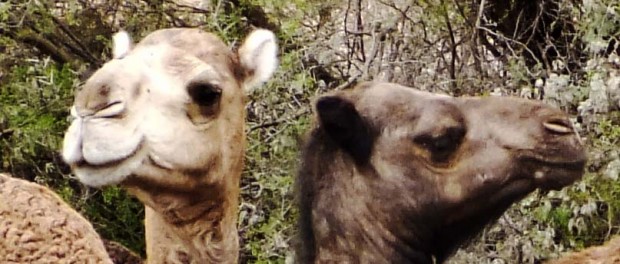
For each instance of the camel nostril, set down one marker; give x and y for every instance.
(559, 126)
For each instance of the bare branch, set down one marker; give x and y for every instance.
(301, 112)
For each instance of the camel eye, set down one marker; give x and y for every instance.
(205, 102)
(204, 94)
(442, 146)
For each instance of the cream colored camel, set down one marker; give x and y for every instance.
(165, 119)
(394, 175)
(36, 226)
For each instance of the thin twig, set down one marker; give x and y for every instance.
(480, 12)
(281, 120)
(360, 28)
(511, 40)
(452, 49)
(349, 82)
(82, 48)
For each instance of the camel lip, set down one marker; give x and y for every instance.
(82, 163)
(554, 174)
(574, 165)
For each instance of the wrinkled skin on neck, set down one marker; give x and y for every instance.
(394, 175)
(192, 224)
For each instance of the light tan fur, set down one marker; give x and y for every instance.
(609, 253)
(165, 119)
(37, 226)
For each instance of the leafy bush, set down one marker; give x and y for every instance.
(33, 116)
(433, 45)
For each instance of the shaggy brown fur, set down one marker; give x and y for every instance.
(394, 175)
(37, 226)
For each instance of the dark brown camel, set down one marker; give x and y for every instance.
(395, 175)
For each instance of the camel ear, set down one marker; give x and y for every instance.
(341, 121)
(122, 44)
(258, 57)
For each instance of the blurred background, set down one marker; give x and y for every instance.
(563, 52)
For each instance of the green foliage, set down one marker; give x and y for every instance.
(599, 22)
(35, 96)
(522, 73)
(278, 119)
(116, 215)
(609, 131)
(34, 106)
(588, 213)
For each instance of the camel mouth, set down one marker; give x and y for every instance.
(554, 175)
(111, 163)
(114, 163)
(533, 173)
(112, 172)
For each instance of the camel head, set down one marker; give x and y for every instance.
(392, 175)
(165, 119)
(174, 103)
(167, 113)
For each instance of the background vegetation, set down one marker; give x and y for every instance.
(559, 51)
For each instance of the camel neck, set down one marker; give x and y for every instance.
(188, 221)
(365, 241)
(207, 237)
(368, 234)
(357, 217)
